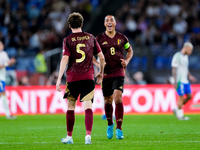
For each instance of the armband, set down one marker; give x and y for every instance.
(127, 45)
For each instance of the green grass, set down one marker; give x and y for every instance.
(140, 132)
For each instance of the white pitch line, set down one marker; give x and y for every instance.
(47, 127)
(5, 143)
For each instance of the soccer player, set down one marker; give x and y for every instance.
(78, 51)
(4, 62)
(113, 44)
(181, 74)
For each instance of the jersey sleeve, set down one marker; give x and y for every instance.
(98, 37)
(6, 57)
(126, 43)
(97, 48)
(175, 61)
(66, 48)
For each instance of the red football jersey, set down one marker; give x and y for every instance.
(80, 47)
(112, 49)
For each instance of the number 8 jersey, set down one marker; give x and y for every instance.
(80, 47)
(112, 49)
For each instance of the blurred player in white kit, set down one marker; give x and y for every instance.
(181, 74)
(4, 62)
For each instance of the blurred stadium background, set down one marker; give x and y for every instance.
(32, 31)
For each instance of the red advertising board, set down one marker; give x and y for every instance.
(149, 99)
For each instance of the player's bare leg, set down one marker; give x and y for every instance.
(109, 109)
(189, 97)
(6, 106)
(88, 120)
(70, 119)
(178, 112)
(119, 113)
(180, 102)
(109, 115)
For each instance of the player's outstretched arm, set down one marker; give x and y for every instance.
(102, 65)
(191, 77)
(128, 57)
(63, 64)
(9, 63)
(174, 75)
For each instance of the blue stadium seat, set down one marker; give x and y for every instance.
(168, 61)
(4, 30)
(135, 63)
(144, 63)
(194, 62)
(159, 62)
(21, 64)
(31, 68)
(25, 64)
(12, 52)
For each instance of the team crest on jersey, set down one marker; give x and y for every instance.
(119, 42)
(104, 43)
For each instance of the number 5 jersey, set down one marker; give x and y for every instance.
(80, 47)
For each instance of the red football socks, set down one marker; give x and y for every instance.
(70, 119)
(119, 112)
(109, 113)
(88, 121)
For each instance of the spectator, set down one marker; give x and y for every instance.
(174, 9)
(180, 26)
(138, 78)
(164, 26)
(153, 9)
(131, 23)
(39, 63)
(24, 81)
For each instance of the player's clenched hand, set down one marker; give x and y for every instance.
(124, 62)
(99, 78)
(192, 78)
(12, 61)
(58, 85)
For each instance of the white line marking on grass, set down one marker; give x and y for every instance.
(50, 127)
(20, 143)
(169, 141)
(47, 127)
(4, 143)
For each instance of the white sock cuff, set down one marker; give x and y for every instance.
(6, 105)
(180, 113)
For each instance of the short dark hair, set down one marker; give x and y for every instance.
(110, 15)
(75, 20)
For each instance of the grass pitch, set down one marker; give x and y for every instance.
(140, 132)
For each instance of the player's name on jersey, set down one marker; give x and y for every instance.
(80, 38)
